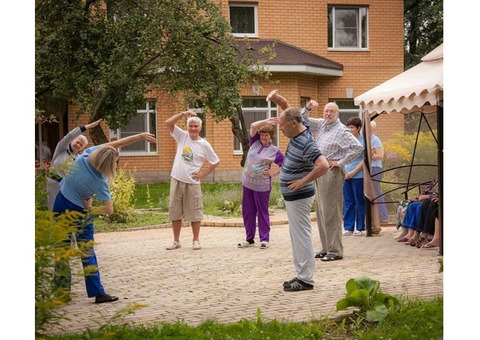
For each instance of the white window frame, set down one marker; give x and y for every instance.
(255, 17)
(268, 110)
(116, 134)
(359, 30)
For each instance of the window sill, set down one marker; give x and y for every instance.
(139, 153)
(347, 49)
(243, 35)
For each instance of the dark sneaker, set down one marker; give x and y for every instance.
(105, 298)
(297, 286)
(289, 282)
(320, 255)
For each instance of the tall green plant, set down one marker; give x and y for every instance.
(366, 294)
(122, 189)
(50, 247)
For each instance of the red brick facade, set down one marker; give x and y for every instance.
(302, 24)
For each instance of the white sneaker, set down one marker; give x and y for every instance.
(347, 233)
(358, 233)
(174, 245)
(264, 245)
(196, 245)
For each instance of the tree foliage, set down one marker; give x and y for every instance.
(104, 56)
(423, 29)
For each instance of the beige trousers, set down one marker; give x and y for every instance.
(329, 204)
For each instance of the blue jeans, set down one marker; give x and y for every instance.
(84, 234)
(353, 204)
(412, 215)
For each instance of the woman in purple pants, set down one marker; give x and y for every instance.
(257, 181)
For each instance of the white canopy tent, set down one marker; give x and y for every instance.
(417, 89)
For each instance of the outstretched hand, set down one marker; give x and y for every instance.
(92, 125)
(148, 137)
(273, 121)
(188, 113)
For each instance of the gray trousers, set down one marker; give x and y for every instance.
(329, 195)
(300, 227)
(53, 188)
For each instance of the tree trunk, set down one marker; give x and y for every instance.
(97, 135)
(240, 132)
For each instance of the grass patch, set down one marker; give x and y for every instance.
(137, 220)
(219, 199)
(417, 319)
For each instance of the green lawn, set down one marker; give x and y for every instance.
(416, 319)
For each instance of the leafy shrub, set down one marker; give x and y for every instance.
(366, 294)
(122, 189)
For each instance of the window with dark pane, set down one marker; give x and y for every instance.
(347, 108)
(242, 19)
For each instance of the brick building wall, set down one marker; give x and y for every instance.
(302, 24)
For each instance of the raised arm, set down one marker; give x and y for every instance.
(132, 139)
(170, 122)
(278, 99)
(255, 126)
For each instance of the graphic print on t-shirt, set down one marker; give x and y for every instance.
(187, 154)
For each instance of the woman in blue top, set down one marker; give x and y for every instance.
(353, 198)
(89, 176)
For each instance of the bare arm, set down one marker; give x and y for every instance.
(170, 122)
(377, 154)
(204, 173)
(106, 209)
(352, 173)
(321, 166)
(278, 99)
(132, 139)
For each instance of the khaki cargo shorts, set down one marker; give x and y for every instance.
(185, 201)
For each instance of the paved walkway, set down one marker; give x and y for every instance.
(225, 283)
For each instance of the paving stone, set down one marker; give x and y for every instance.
(225, 283)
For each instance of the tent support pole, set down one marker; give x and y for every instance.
(440, 174)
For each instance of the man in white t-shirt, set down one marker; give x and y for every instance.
(185, 189)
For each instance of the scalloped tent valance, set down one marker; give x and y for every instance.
(419, 88)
